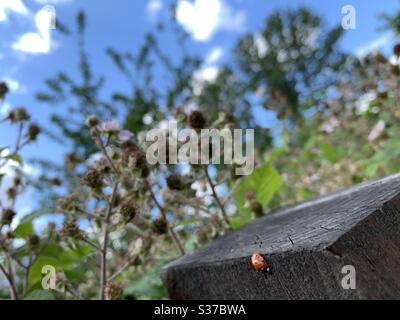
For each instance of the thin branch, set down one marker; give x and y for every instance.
(95, 246)
(123, 268)
(217, 199)
(172, 233)
(103, 148)
(10, 278)
(105, 236)
(91, 215)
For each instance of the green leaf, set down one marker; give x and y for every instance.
(149, 286)
(328, 150)
(39, 295)
(25, 227)
(265, 181)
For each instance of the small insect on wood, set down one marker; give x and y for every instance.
(259, 263)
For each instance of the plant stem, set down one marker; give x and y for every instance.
(123, 268)
(10, 278)
(172, 233)
(105, 236)
(103, 148)
(217, 199)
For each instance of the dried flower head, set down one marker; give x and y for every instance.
(176, 182)
(7, 216)
(159, 226)
(70, 229)
(3, 89)
(17, 181)
(113, 291)
(93, 179)
(33, 241)
(197, 120)
(92, 121)
(12, 193)
(18, 114)
(131, 153)
(128, 210)
(179, 115)
(55, 181)
(68, 203)
(33, 132)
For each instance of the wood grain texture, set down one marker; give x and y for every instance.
(307, 245)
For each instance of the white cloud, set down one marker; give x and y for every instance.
(12, 84)
(4, 108)
(202, 18)
(374, 45)
(154, 7)
(214, 55)
(36, 42)
(15, 6)
(206, 74)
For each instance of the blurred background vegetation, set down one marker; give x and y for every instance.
(339, 120)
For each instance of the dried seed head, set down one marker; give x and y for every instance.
(18, 114)
(128, 210)
(33, 132)
(93, 179)
(197, 120)
(159, 226)
(17, 181)
(179, 115)
(12, 193)
(70, 229)
(113, 291)
(68, 203)
(3, 89)
(92, 121)
(7, 216)
(131, 150)
(55, 181)
(176, 182)
(33, 241)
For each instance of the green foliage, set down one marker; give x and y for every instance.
(25, 226)
(294, 58)
(265, 181)
(39, 295)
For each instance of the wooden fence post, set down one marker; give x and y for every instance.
(308, 246)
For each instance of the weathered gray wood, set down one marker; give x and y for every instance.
(307, 245)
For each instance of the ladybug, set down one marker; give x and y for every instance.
(259, 263)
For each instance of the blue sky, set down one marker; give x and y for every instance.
(30, 53)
